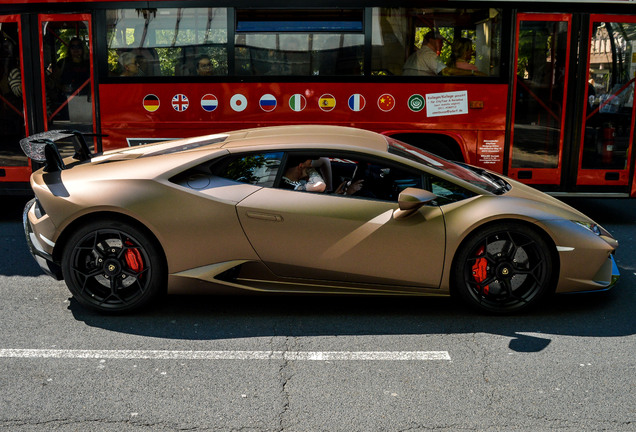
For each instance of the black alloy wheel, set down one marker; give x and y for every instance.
(503, 269)
(113, 267)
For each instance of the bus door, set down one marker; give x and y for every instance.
(540, 93)
(14, 165)
(66, 62)
(607, 134)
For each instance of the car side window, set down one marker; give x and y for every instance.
(259, 169)
(378, 180)
(448, 192)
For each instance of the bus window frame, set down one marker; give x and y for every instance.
(540, 175)
(11, 172)
(594, 176)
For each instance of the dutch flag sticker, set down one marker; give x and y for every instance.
(209, 102)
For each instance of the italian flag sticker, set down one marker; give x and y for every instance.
(297, 102)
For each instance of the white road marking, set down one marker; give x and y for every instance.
(225, 355)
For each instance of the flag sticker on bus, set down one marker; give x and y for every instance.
(209, 102)
(268, 102)
(386, 102)
(327, 102)
(416, 103)
(180, 102)
(357, 102)
(297, 102)
(151, 103)
(238, 102)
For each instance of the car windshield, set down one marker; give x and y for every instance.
(479, 179)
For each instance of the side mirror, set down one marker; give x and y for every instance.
(412, 199)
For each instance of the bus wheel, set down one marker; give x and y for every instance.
(113, 267)
(503, 269)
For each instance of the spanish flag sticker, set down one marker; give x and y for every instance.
(327, 102)
(151, 103)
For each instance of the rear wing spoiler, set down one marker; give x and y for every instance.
(41, 148)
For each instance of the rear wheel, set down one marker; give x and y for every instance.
(111, 266)
(503, 269)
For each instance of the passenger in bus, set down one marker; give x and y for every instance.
(10, 77)
(461, 55)
(426, 62)
(147, 58)
(11, 122)
(204, 66)
(74, 69)
(130, 64)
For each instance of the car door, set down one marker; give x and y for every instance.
(341, 238)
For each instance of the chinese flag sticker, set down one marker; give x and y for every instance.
(386, 102)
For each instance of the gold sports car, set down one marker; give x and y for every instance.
(300, 209)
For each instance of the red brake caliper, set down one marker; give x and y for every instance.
(480, 270)
(133, 259)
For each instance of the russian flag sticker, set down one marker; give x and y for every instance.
(268, 103)
(357, 102)
(209, 102)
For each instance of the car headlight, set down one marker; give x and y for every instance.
(592, 227)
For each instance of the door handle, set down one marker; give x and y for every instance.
(265, 216)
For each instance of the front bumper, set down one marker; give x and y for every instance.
(42, 258)
(615, 274)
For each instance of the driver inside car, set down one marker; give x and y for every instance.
(301, 176)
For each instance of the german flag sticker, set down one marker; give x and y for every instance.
(151, 103)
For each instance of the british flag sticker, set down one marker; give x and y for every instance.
(180, 102)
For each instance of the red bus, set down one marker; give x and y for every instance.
(540, 91)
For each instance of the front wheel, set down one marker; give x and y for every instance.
(110, 266)
(503, 269)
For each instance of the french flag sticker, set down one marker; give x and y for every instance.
(357, 102)
(209, 102)
(268, 103)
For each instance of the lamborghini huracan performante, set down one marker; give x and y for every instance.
(238, 212)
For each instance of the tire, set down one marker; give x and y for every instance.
(113, 267)
(503, 269)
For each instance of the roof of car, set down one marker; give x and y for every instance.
(307, 135)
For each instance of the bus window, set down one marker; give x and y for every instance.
(299, 42)
(67, 74)
(11, 112)
(540, 93)
(167, 42)
(464, 40)
(610, 96)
